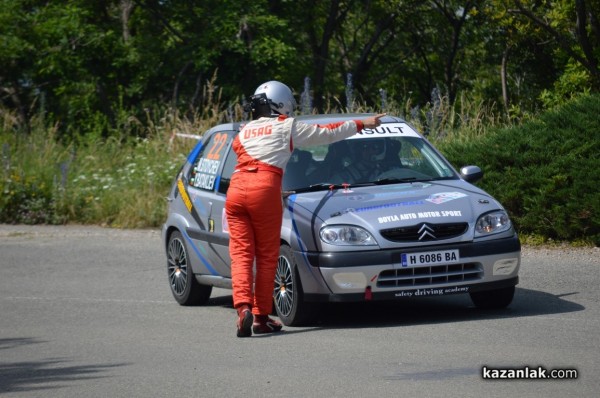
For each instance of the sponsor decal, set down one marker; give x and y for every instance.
(188, 203)
(397, 217)
(184, 195)
(204, 173)
(419, 216)
(388, 129)
(371, 208)
(444, 197)
(433, 291)
(387, 206)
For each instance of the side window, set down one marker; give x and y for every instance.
(203, 174)
(228, 168)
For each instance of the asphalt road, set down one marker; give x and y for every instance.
(87, 312)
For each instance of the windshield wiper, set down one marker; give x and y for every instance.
(326, 185)
(321, 186)
(393, 180)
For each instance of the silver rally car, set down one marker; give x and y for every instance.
(379, 216)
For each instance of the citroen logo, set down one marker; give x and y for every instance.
(426, 231)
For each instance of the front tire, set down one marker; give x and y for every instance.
(288, 295)
(184, 286)
(493, 299)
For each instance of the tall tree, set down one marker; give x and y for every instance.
(362, 43)
(455, 14)
(572, 26)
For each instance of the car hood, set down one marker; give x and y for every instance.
(395, 205)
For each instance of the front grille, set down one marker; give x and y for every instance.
(424, 232)
(431, 275)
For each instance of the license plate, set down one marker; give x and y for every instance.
(430, 258)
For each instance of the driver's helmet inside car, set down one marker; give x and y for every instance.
(370, 150)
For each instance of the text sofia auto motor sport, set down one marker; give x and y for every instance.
(379, 216)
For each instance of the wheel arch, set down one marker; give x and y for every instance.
(309, 276)
(175, 222)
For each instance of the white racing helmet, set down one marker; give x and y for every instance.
(279, 96)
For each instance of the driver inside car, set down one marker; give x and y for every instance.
(370, 156)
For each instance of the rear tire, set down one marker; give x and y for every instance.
(184, 286)
(493, 299)
(288, 295)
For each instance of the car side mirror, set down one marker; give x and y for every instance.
(471, 174)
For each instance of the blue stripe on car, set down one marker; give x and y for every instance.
(301, 245)
(197, 251)
(315, 213)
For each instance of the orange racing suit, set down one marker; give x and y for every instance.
(254, 206)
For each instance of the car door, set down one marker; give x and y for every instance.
(207, 192)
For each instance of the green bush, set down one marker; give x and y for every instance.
(28, 194)
(545, 172)
(110, 182)
(26, 200)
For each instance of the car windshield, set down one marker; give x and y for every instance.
(365, 161)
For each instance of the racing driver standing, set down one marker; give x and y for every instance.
(254, 204)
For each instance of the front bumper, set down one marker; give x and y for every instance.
(379, 275)
(408, 293)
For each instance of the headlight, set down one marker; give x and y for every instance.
(346, 235)
(492, 223)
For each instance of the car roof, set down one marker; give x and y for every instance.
(313, 119)
(339, 117)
